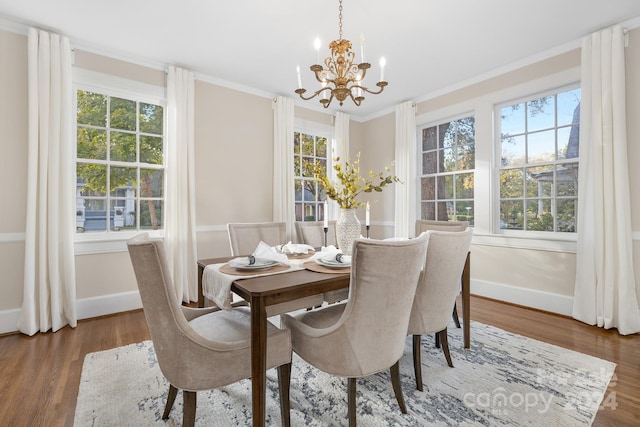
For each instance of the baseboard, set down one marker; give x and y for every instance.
(547, 301)
(86, 309)
(108, 304)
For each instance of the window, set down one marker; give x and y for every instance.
(119, 163)
(538, 178)
(309, 199)
(447, 178)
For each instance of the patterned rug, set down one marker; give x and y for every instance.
(503, 380)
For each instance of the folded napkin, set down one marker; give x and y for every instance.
(333, 254)
(264, 251)
(295, 248)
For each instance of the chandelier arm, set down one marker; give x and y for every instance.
(302, 91)
(381, 85)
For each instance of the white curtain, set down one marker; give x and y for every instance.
(405, 203)
(283, 186)
(605, 291)
(180, 216)
(49, 300)
(339, 148)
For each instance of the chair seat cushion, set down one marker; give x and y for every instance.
(234, 328)
(322, 318)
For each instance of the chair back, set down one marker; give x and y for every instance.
(312, 233)
(426, 225)
(384, 275)
(439, 282)
(244, 237)
(167, 324)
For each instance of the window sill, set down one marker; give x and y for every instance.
(552, 243)
(103, 242)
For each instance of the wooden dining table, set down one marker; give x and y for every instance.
(264, 291)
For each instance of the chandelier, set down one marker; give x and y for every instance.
(342, 77)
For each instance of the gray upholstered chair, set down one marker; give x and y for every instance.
(312, 233)
(200, 349)
(436, 292)
(245, 237)
(367, 333)
(423, 225)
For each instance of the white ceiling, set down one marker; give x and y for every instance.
(429, 45)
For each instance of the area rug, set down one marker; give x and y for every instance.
(502, 380)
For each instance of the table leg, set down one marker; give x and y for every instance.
(258, 360)
(200, 294)
(466, 301)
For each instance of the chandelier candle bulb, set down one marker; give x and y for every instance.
(316, 45)
(361, 47)
(383, 62)
(299, 78)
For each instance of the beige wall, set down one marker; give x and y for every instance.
(234, 132)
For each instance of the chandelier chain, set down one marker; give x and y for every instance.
(340, 21)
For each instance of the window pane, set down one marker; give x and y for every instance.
(512, 120)
(447, 135)
(307, 167)
(151, 182)
(309, 190)
(151, 214)
(428, 210)
(540, 181)
(511, 214)
(541, 146)
(429, 162)
(93, 179)
(123, 114)
(466, 157)
(566, 215)
(308, 142)
(513, 151)
(91, 108)
(569, 107)
(151, 150)
(464, 186)
(567, 179)
(569, 142)
(298, 190)
(428, 188)
(445, 187)
(123, 147)
(539, 216)
(296, 143)
(464, 211)
(444, 210)
(540, 113)
(321, 147)
(448, 160)
(151, 118)
(91, 144)
(298, 211)
(123, 179)
(511, 183)
(429, 139)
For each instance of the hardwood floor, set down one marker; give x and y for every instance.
(39, 376)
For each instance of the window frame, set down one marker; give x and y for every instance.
(92, 81)
(486, 230)
(437, 150)
(497, 142)
(317, 130)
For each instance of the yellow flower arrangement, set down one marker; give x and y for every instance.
(350, 184)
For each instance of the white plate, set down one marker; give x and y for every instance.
(243, 263)
(332, 264)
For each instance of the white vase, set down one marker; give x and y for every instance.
(347, 230)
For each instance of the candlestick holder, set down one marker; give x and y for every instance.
(326, 230)
(367, 227)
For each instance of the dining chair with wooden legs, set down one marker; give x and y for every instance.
(367, 333)
(200, 348)
(436, 291)
(423, 225)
